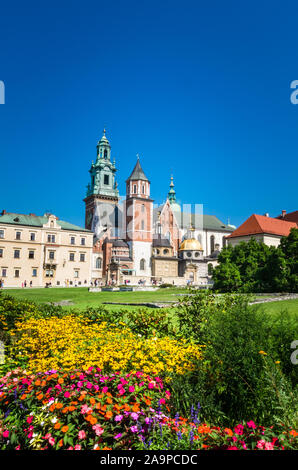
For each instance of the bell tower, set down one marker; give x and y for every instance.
(101, 201)
(139, 215)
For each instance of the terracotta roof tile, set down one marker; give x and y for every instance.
(256, 224)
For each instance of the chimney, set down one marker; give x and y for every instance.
(3, 212)
(283, 213)
(266, 214)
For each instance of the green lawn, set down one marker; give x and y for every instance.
(82, 298)
(274, 307)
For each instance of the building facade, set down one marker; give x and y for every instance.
(151, 238)
(42, 250)
(262, 228)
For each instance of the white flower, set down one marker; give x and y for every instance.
(54, 420)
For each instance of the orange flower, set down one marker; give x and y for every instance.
(294, 433)
(98, 405)
(109, 401)
(61, 443)
(126, 407)
(59, 405)
(228, 431)
(92, 420)
(43, 383)
(92, 401)
(40, 396)
(60, 381)
(108, 414)
(71, 408)
(65, 410)
(64, 429)
(148, 402)
(23, 397)
(136, 408)
(203, 429)
(37, 382)
(57, 426)
(52, 407)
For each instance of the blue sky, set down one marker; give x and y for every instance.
(199, 89)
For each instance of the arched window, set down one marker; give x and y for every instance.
(142, 264)
(212, 241)
(143, 208)
(135, 189)
(98, 263)
(142, 225)
(105, 153)
(143, 189)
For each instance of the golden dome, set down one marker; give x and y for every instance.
(191, 244)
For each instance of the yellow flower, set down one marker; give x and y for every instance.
(263, 352)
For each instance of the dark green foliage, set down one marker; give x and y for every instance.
(255, 267)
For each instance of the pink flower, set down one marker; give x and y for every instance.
(82, 435)
(134, 416)
(118, 418)
(134, 428)
(67, 394)
(232, 448)
(251, 424)
(150, 385)
(131, 389)
(51, 441)
(5, 433)
(118, 436)
(98, 429)
(29, 419)
(105, 389)
(162, 401)
(239, 429)
(269, 446)
(260, 444)
(85, 409)
(77, 447)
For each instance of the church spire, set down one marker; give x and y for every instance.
(172, 192)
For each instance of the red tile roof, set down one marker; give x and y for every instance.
(257, 224)
(290, 217)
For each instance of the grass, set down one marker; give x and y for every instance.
(81, 298)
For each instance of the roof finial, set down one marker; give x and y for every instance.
(138, 156)
(104, 131)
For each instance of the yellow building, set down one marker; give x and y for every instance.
(43, 250)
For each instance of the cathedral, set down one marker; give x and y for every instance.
(138, 242)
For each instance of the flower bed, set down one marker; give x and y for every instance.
(74, 342)
(78, 410)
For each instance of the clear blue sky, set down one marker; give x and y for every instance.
(200, 89)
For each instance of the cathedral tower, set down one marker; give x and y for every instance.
(101, 215)
(139, 214)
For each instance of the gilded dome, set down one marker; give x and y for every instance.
(191, 244)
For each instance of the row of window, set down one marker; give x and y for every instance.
(50, 238)
(17, 272)
(51, 255)
(48, 273)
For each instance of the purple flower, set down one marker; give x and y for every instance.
(134, 428)
(118, 418)
(134, 416)
(118, 436)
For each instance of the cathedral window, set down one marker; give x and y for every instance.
(142, 264)
(98, 263)
(106, 179)
(212, 241)
(135, 189)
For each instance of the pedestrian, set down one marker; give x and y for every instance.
(30, 283)
(25, 284)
